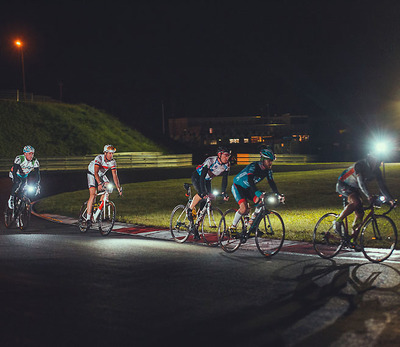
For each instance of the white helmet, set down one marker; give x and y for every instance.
(109, 149)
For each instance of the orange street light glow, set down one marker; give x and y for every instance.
(18, 43)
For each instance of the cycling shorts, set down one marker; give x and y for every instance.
(92, 181)
(196, 183)
(344, 189)
(242, 194)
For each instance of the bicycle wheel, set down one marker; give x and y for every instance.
(210, 224)
(228, 237)
(270, 234)
(24, 217)
(106, 218)
(179, 224)
(378, 238)
(327, 243)
(82, 218)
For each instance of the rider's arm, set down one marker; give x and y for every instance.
(36, 175)
(382, 185)
(116, 180)
(224, 182)
(272, 183)
(96, 175)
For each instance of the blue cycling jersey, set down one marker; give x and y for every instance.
(252, 174)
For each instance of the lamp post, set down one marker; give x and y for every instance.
(18, 43)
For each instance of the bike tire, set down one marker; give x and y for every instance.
(270, 234)
(210, 224)
(179, 224)
(378, 238)
(327, 243)
(82, 217)
(106, 218)
(25, 214)
(228, 237)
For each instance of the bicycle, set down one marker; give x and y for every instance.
(103, 212)
(267, 228)
(378, 237)
(21, 213)
(206, 220)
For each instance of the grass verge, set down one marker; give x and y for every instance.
(309, 195)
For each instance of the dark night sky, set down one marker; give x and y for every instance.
(206, 58)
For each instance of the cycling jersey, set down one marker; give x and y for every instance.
(210, 168)
(23, 167)
(250, 176)
(104, 165)
(358, 174)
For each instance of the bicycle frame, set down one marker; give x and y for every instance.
(103, 202)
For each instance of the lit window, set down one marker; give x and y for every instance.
(213, 142)
(211, 130)
(245, 140)
(233, 140)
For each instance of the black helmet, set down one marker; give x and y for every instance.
(223, 149)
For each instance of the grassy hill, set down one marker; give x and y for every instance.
(61, 130)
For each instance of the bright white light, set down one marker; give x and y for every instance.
(30, 189)
(215, 192)
(382, 147)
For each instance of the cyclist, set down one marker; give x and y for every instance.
(201, 179)
(350, 184)
(25, 166)
(244, 184)
(96, 176)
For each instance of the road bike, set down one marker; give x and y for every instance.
(103, 213)
(21, 213)
(206, 220)
(378, 237)
(266, 226)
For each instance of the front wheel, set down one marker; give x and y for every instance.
(270, 234)
(179, 224)
(378, 238)
(229, 236)
(8, 217)
(106, 219)
(327, 243)
(209, 226)
(25, 215)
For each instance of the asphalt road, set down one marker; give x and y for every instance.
(63, 288)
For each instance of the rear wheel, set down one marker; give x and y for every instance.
(378, 238)
(179, 224)
(106, 219)
(209, 226)
(327, 243)
(82, 218)
(270, 234)
(228, 236)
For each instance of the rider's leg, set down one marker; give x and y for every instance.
(359, 215)
(92, 197)
(17, 184)
(243, 209)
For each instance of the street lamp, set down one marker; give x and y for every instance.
(18, 43)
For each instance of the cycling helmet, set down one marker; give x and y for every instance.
(109, 149)
(267, 154)
(29, 149)
(223, 149)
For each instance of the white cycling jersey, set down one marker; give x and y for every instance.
(103, 164)
(26, 166)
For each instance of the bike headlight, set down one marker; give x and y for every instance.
(109, 187)
(30, 189)
(215, 192)
(272, 200)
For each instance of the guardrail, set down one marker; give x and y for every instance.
(127, 160)
(137, 160)
(245, 158)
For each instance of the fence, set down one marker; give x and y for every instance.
(17, 95)
(127, 160)
(245, 159)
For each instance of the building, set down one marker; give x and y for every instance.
(286, 133)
